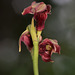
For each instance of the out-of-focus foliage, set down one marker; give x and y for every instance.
(60, 25)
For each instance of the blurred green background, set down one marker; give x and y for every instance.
(60, 25)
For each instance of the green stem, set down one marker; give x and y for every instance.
(35, 51)
(35, 58)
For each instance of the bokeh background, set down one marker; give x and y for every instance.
(60, 25)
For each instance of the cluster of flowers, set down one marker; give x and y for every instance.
(47, 46)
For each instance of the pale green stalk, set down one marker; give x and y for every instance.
(35, 47)
(35, 58)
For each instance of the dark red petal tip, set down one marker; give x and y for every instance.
(48, 9)
(27, 10)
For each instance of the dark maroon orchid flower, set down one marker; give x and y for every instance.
(47, 47)
(26, 38)
(40, 11)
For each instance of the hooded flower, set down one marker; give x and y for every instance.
(40, 11)
(26, 39)
(47, 47)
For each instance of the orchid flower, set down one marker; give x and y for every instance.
(40, 11)
(47, 48)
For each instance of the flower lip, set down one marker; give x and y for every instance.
(48, 47)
